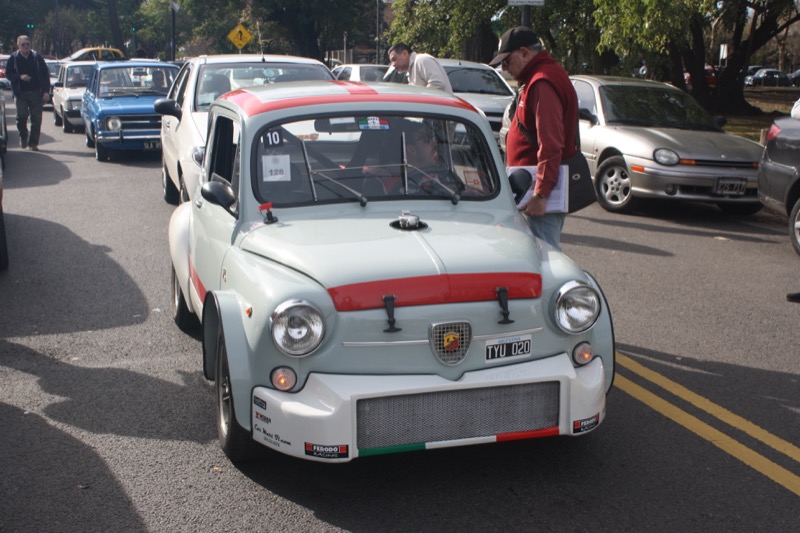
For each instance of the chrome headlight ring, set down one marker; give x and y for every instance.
(666, 157)
(577, 307)
(297, 328)
(113, 123)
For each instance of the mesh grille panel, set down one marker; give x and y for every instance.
(438, 416)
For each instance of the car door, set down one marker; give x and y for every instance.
(170, 142)
(87, 103)
(213, 226)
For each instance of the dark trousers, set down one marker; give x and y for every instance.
(29, 104)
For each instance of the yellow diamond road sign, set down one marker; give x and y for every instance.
(239, 36)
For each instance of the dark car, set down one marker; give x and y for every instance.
(794, 77)
(768, 77)
(778, 181)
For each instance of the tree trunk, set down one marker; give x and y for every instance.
(113, 23)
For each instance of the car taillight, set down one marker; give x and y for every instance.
(773, 132)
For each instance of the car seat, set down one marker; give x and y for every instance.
(216, 84)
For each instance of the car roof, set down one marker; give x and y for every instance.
(265, 98)
(250, 58)
(620, 80)
(463, 63)
(132, 63)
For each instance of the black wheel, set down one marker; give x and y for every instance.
(740, 210)
(171, 193)
(233, 439)
(57, 120)
(183, 317)
(794, 226)
(66, 126)
(614, 187)
(3, 246)
(89, 138)
(101, 153)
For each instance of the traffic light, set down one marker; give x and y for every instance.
(29, 25)
(133, 29)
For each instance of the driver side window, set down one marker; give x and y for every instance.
(224, 156)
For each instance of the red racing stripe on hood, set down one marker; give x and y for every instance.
(438, 289)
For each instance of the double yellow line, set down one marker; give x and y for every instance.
(754, 460)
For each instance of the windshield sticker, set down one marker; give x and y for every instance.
(373, 123)
(276, 168)
(273, 138)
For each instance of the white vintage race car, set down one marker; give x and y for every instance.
(365, 284)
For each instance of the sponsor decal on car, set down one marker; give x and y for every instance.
(581, 426)
(259, 402)
(328, 451)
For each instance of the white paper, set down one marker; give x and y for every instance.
(276, 168)
(559, 196)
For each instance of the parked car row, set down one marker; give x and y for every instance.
(768, 77)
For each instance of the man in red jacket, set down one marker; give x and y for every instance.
(544, 125)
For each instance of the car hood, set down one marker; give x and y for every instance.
(337, 252)
(488, 103)
(128, 104)
(693, 144)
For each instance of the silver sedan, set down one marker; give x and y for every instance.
(645, 139)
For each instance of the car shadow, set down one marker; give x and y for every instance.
(53, 481)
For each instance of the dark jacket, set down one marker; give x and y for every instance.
(40, 75)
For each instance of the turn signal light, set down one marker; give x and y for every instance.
(284, 378)
(583, 354)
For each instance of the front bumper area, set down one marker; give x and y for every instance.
(336, 418)
(130, 140)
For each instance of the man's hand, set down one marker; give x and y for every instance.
(25, 77)
(535, 207)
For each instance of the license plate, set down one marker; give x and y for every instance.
(152, 145)
(730, 186)
(508, 347)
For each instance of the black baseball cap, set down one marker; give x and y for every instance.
(514, 39)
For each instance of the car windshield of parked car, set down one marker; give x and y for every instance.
(477, 80)
(136, 80)
(216, 79)
(52, 67)
(360, 158)
(653, 108)
(77, 76)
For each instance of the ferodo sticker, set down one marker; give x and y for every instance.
(581, 426)
(259, 402)
(328, 451)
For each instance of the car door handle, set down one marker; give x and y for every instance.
(198, 202)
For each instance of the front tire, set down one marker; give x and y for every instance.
(67, 125)
(101, 153)
(57, 120)
(614, 187)
(171, 193)
(89, 138)
(794, 226)
(183, 317)
(233, 439)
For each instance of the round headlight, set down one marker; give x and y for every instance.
(297, 327)
(113, 124)
(666, 157)
(577, 307)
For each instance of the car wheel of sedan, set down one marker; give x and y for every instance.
(741, 210)
(67, 125)
(183, 317)
(168, 186)
(101, 153)
(89, 139)
(233, 439)
(794, 226)
(56, 119)
(3, 246)
(614, 186)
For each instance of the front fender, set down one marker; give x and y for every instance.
(224, 308)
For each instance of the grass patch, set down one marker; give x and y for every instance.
(774, 102)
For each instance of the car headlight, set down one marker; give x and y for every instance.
(577, 307)
(666, 157)
(297, 328)
(113, 124)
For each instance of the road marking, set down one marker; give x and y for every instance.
(759, 433)
(754, 460)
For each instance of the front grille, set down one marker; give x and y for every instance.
(460, 414)
(726, 164)
(141, 122)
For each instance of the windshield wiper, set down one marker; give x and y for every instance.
(361, 198)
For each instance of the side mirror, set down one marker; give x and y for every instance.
(167, 106)
(219, 193)
(58, 84)
(585, 114)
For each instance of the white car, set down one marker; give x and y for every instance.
(366, 286)
(68, 92)
(201, 80)
(360, 72)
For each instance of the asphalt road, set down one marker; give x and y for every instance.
(106, 423)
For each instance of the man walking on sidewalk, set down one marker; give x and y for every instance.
(30, 81)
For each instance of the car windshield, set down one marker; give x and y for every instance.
(52, 67)
(217, 79)
(373, 73)
(477, 80)
(136, 80)
(653, 108)
(378, 157)
(77, 76)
